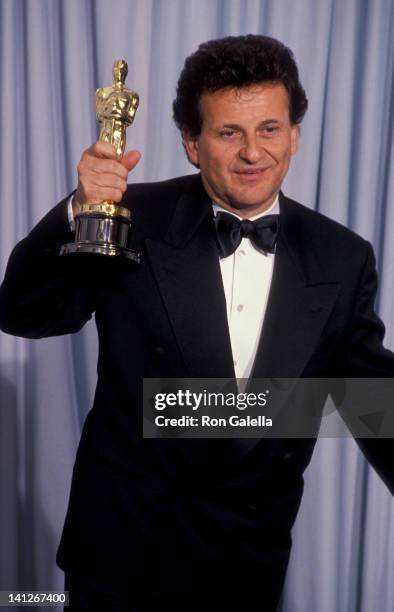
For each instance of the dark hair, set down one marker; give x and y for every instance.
(235, 61)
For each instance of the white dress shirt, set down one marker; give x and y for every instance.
(247, 275)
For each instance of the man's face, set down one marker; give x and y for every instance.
(245, 146)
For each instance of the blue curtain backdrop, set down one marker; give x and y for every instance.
(54, 54)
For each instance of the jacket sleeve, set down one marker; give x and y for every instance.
(365, 357)
(43, 294)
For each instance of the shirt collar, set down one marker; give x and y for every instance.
(272, 210)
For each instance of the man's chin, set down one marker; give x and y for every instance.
(251, 207)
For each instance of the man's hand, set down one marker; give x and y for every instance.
(102, 175)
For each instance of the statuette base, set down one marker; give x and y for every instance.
(100, 233)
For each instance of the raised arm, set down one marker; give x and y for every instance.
(43, 294)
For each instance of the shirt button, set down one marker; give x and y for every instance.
(235, 363)
(240, 307)
(241, 252)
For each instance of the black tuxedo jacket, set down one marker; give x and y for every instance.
(177, 517)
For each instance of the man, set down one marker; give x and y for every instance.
(186, 524)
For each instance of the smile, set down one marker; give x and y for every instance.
(251, 173)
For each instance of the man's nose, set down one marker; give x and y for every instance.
(250, 151)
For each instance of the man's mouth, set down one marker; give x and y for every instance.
(250, 172)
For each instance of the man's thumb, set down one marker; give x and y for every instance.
(130, 159)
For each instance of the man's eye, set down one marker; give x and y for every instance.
(228, 133)
(270, 129)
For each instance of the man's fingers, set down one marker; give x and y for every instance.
(103, 179)
(103, 166)
(130, 159)
(101, 194)
(102, 175)
(97, 194)
(103, 149)
(93, 185)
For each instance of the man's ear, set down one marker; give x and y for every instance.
(295, 134)
(190, 144)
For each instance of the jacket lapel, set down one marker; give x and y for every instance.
(300, 302)
(187, 270)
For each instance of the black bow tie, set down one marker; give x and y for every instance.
(229, 231)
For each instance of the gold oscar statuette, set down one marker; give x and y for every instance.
(105, 228)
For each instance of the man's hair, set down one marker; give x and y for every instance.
(235, 62)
